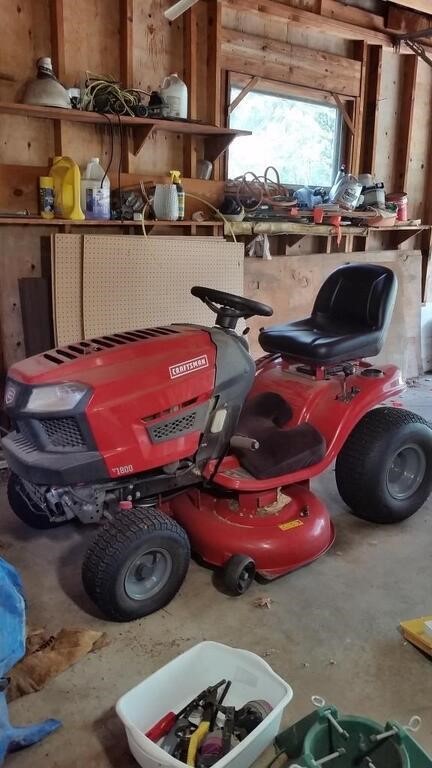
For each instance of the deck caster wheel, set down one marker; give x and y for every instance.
(238, 574)
(136, 564)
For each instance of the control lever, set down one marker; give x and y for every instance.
(244, 443)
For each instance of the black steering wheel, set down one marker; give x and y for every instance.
(228, 307)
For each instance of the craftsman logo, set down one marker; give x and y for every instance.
(10, 394)
(290, 525)
(188, 366)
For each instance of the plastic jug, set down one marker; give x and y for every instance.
(66, 175)
(95, 191)
(175, 93)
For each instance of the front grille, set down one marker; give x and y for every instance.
(63, 433)
(173, 427)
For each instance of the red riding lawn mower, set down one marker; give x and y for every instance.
(174, 439)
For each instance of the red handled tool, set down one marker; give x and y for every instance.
(164, 725)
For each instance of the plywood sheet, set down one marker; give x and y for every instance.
(290, 283)
(157, 52)
(67, 295)
(388, 118)
(133, 282)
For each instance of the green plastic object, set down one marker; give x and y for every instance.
(326, 738)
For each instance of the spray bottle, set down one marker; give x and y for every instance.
(176, 179)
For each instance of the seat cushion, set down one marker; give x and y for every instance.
(321, 340)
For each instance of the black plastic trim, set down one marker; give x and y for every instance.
(43, 468)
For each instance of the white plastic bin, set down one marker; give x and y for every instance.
(173, 686)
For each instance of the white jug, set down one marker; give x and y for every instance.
(175, 93)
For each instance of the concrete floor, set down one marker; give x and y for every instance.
(332, 628)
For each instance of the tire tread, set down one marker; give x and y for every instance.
(351, 477)
(101, 560)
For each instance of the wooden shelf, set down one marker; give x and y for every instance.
(37, 220)
(216, 139)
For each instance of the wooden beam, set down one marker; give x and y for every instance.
(244, 92)
(332, 9)
(126, 42)
(262, 57)
(370, 117)
(126, 68)
(214, 82)
(311, 21)
(360, 52)
(349, 123)
(190, 49)
(57, 38)
(424, 6)
(406, 115)
(401, 21)
(58, 59)
(214, 60)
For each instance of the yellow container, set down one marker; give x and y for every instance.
(46, 197)
(67, 179)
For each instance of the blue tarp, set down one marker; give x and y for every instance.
(12, 649)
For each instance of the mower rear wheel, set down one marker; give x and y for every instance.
(29, 511)
(384, 470)
(136, 564)
(238, 574)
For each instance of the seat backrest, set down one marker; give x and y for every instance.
(359, 294)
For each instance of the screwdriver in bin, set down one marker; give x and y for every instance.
(164, 725)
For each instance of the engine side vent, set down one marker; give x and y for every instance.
(73, 351)
(179, 425)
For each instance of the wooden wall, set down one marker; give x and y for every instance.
(387, 95)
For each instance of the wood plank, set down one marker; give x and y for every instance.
(258, 56)
(423, 6)
(26, 262)
(287, 89)
(349, 123)
(214, 59)
(126, 43)
(190, 57)
(57, 39)
(89, 118)
(369, 129)
(35, 303)
(400, 20)
(23, 193)
(360, 52)
(92, 40)
(403, 146)
(250, 85)
(58, 59)
(333, 9)
(311, 21)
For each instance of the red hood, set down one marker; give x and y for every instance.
(151, 351)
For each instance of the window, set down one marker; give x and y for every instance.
(302, 139)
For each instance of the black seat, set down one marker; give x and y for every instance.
(349, 319)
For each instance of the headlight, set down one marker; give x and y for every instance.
(55, 397)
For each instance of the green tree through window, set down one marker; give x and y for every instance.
(301, 139)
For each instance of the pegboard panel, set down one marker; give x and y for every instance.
(67, 294)
(134, 282)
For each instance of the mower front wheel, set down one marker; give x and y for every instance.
(384, 470)
(136, 564)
